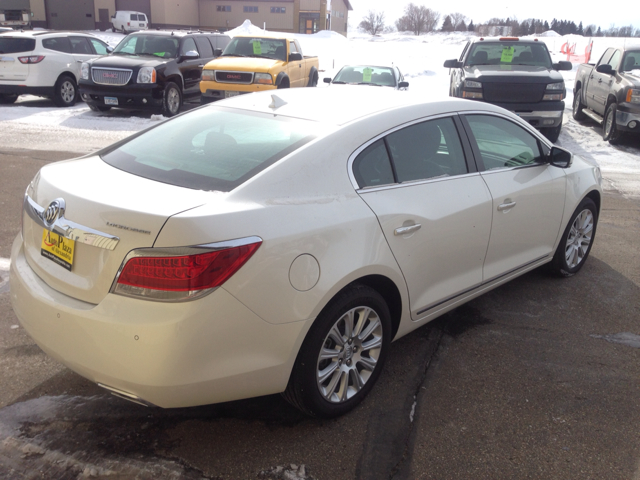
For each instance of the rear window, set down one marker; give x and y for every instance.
(16, 45)
(213, 148)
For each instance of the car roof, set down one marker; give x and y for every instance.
(179, 33)
(515, 40)
(341, 106)
(130, 11)
(41, 33)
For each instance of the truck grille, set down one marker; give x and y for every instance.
(513, 92)
(111, 76)
(234, 77)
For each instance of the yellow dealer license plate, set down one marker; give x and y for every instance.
(57, 248)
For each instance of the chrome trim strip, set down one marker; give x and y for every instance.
(415, 182)
(67, 228)
(481, 285)
(123, 76)
(178, 251)
(540, 113)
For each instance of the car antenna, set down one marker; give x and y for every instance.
(276, 102)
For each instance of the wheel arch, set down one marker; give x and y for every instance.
(312, 72)
(67, 73)
(577, 86)
(596, 197)
(175, 78)
(281, 77)
(610, 99)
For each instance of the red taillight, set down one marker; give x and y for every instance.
(31, 59)
(186, 273)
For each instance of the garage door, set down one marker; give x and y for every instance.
(143, 6)
(70, 15)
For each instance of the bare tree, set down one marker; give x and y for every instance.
(418, 19)
(456, 19)
(372, 22)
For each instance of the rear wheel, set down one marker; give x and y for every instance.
(65, 92)
(610, 132)
(172, 100)
(314, 80)
(342, 355)
(578, 107)
(8, 98)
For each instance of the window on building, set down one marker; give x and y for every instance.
(223, 8)
(250, 9)
(278, 9)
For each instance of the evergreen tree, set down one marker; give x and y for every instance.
(471, 27)
(599, 32)
(447, 26)
(588, 33)
(555, 26)
(462, 27)
(546, 26)
(580, 30)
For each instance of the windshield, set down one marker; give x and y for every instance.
(509, 53)
(213, 148)
(273, 48)
(158, 45)
(367, 75)
(631, 61)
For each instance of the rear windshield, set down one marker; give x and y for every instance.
(16, 45)
(213, 148)
(159, 45)
(509, 53)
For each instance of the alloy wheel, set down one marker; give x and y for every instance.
(579, 238)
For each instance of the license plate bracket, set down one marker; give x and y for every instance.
(110, 100)
(230, 93)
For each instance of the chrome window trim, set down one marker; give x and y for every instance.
(68, 229)
(359, 150)
(175, 252)
(413, 183)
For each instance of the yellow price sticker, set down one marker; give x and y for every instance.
(507, 55)
(257, 47)
(57, 248)
(366, 75)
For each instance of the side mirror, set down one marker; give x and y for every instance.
(295, 57)
(605, 68)
(326, 80)
(559, 157)
(109, 49)
(563, 65)
(217, 52)
(452, 63)
(403, 85)
(190, 55)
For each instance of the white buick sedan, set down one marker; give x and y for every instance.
(279, 243)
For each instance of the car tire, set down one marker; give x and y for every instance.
(352, 333)
(7, 98)
(578, 106)
(610, 132)
(314, 80)
(284, 83)
(171, 100)
(552, 133)
(99, 108)
(65, 92)
(577, 240)
(113, 29)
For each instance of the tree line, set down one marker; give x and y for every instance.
(419, 19)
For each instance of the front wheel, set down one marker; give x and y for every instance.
(172, 100)
(576, 242)
(578, 106)
(610, 132)
(342, 355)
(65, 92)
(552, 133)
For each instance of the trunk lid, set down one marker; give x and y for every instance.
(100, 197)
(11, 69)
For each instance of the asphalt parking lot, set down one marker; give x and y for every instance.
(539, 378)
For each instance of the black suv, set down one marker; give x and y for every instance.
(150, 69)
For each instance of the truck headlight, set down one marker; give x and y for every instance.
(264, 78)
(472, 84)
(633, 95)
(208, 75)
(147, 75)
(84, 70)
(556, 86)
(553, 96)
(559, 92)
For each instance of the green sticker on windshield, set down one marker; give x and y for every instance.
(160, 54)
(257, 47)
(366, 75)
(507, 55)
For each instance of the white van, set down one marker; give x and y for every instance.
(127, 21)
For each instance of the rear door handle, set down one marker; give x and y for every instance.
(201, 66)
(506, 206)
(406, 230)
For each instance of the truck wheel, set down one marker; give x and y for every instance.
(314, 80)
(284, 83)
(8, 98)
(65, 92)
(578, 106)
(172, 100)
(610, 132)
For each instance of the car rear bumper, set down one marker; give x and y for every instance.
(167, 354)
(130, 97)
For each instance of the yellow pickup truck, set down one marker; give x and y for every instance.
(253, 64)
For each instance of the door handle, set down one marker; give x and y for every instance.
(201, 66)
(406, 230)
(506, 206)
(599, 80)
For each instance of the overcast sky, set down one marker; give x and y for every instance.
(578, 11)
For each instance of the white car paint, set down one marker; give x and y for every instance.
(320, 232)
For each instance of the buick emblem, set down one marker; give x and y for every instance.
(54, 211)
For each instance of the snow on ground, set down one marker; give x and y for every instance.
(34, 123)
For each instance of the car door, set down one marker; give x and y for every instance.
(296, 72)
(433, 207)
(81, 50)
(190, 69)
(528, 194)
(600, 83)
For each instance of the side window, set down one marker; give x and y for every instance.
(222, 41)
(427, 150)
(504, 144)
(605, 56)
(98, 46)
(189, 45)
(293, 48)
(204, 46)
(615, 60)
(372, 167)
(80, 45)
(59, 44)
(464, 50)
